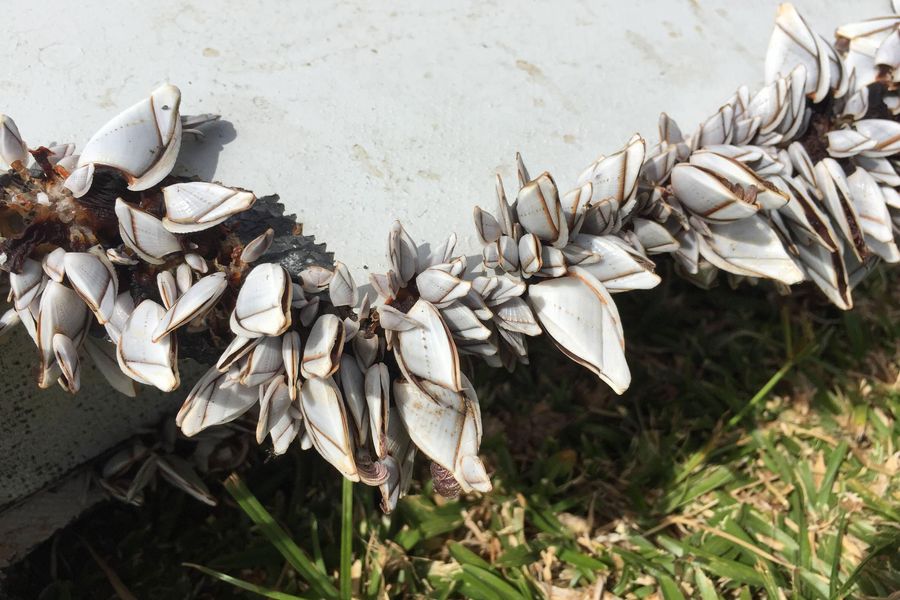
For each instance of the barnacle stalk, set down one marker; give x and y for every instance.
(110, 256)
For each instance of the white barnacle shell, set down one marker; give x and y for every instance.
(290, 356)
(60, 151)
(26, 285)
(847, 142)
(614, 178)
(486, 226)
(195, 262)
(515, 315)
(767, 195)
(28, 321)
(880, 168)
(539, 211)
(888, 53)
(892, 199)
(94, 279)
(750, 247)
(67, 164)
(198, 205)
(142, 142)
(66, 355)
(60, 311)
(490, 255)
(403, 253)
(392, 319)
(351, 328)
(341, 288)
(463, 323)
(142, 359)
(770, 104)
(427, 352)
(366, 349)
(804, 218)
(353, 385)
(887, 251)
(504, 211)
(325, 417)
(884, 132)
(145, 234)
(507, 254)
(385, 285)
(864, 52)
(446, 426)
(529, 254)
(194, 303)
(655, 238)
(688, 254)
(621, 268)
(168, 289)
(485, 286)
(184, 277)
(275, 418)
(574, 205)
(793, 43)
(80, 179)
(365, 308)
(827, 270)
(258, 246)
(874, 216)
(263, 305)
(315, 279)
(857, 105)
(54, 264)
(122, 309)
(263, 363)
(746, 129)
(521, 171)
(377, 396)
(581, 317)
(118, 257)
(324, 345)
(708, 195)
(717, 129)
(801, 163)
(235, 351)
(12, 147)
(443, 253)
(553, 262)
(669, 131)
(399, 463)
(212, 403)
(658, 164)
(439, 286)
(835, 191)
(310, 311)
(497, 290)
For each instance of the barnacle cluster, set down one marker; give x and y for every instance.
(111, 257)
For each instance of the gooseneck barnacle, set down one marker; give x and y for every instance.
(112, 259)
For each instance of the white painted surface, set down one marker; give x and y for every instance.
(365, 112)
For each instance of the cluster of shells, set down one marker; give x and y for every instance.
(111, 257)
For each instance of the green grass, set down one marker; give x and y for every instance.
(756, 455)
